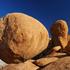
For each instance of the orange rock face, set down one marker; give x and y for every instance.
(24, 35)
(59, 32)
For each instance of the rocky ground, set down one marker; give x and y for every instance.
(25, 44)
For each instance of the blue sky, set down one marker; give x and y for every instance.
(46, 11)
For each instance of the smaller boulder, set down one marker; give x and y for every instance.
(59, 32)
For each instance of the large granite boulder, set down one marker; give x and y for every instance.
(24, 36)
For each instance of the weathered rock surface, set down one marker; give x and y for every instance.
(67, 48)
(24, 35)
(61, 64)
(2, 26)
(59, 32)
(46, 60)
(21, 66)
(57, 54)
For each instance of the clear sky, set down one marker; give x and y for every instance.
(46, 11)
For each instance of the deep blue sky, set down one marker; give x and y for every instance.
(46, 11)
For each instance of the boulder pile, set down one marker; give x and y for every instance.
(25, 44)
